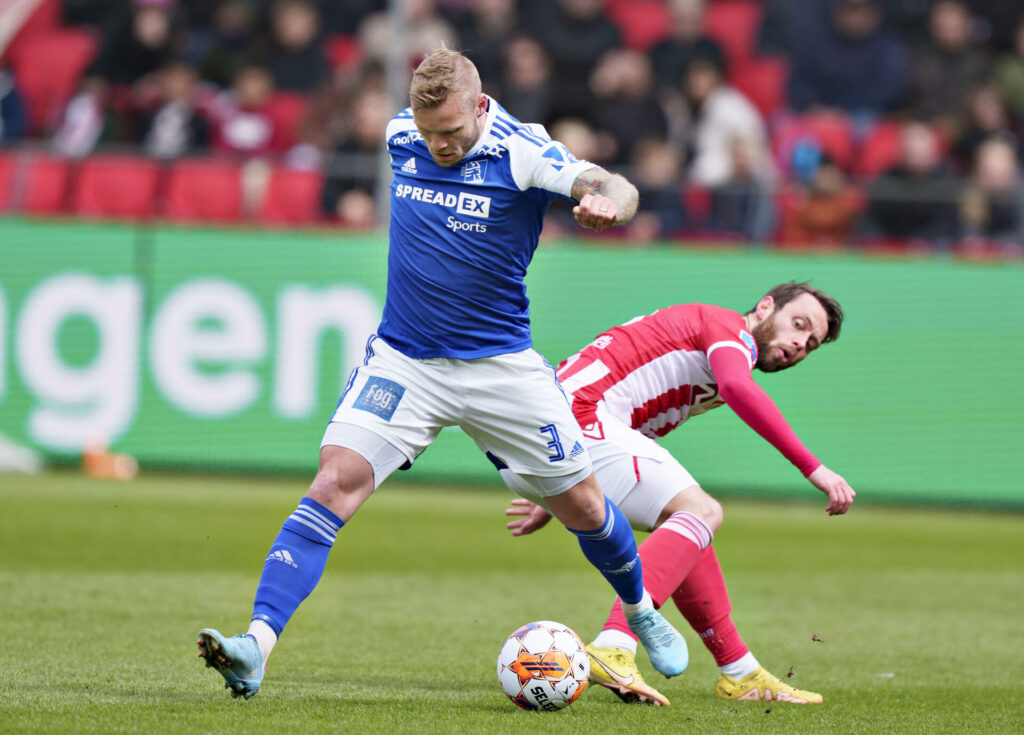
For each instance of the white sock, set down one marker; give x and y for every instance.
(743, 666)
(615, 639)
(265, 638)
(629, 610)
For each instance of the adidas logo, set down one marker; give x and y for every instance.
(577, 450)
(283, 556)
(409, 166)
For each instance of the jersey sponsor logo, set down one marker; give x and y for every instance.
(473, 172)
(410, 137)
(473, 205)
(603, 341)
(380, 397)
(457, 225)
(409, 166)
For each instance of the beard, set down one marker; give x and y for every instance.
(764, 333)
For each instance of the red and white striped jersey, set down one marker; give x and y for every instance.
(652, 373)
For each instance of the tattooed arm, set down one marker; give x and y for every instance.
(605, 199)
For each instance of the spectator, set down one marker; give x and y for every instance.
(1009, 72)
(297, 58)
(992, 201)
(228, 43)
(687, 42)
(175, 127)
(622, 85)
(824, 212)
(240, 118)
(721, 118)
(354, 170)
(948, 64)
(657, 168)
(527, 87)
(728, 142)
(853, 64)
(86, 119)
(575, 34)
(145, 40)
(986, 116)
(426, 30)
(914, 200)
(346, 17)
(489, 28)
(13, 113)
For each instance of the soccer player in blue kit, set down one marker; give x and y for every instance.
(470, 189)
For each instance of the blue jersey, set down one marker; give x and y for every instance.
(462, 237)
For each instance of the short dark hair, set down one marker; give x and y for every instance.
(786, 292)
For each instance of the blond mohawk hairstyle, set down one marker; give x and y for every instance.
(442, 73)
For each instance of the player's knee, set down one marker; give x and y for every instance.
(342, 485)
(712, 513)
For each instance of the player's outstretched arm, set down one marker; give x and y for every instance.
(605, 199)
(535, 517)
(840, 494)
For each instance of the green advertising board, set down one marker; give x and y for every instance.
(227, 350)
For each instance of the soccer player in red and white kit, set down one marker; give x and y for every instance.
(637, 382)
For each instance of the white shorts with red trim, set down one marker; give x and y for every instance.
(635, 472)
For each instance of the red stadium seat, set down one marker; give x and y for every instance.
(292, 197)
(643, 23)
(763, 80)
(880, 149)
(735, 25)
(287, 110)
(204, 190)
(46, 16)
(344, 52)
(48, 69)
(33, 183)
(115, 186)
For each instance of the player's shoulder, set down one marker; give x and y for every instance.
(401, 129)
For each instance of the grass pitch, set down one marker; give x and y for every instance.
(103, 587)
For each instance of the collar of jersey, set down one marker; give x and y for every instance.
(492, 112)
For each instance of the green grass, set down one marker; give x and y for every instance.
(104, 585)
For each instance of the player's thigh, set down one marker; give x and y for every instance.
(391, 402)
(518, 415)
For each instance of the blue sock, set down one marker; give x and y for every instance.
(612, 549)
(295, 563)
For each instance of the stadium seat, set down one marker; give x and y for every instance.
(643, 23)
(292, 197)
(763, 79)
(880, 149)
(48, 71)
(204, 190)
(735, 25)
(343, 51)
(115, 186)
(46, 16)
(33, 183)
(287, 110)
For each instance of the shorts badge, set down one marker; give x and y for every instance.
(380, 397)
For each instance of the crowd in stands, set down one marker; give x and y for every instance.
(821, 122)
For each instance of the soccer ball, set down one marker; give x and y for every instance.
(543, 666)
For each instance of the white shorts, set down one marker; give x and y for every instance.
(635, 472)
(510, 405)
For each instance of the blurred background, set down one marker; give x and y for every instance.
(192, 199)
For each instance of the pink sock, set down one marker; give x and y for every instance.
(667, 555)
(704, 601)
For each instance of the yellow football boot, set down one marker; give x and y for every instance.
(760, 686)
(616, 669)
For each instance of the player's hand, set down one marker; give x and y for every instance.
(535, 517)
(596, 211)
(840, 494)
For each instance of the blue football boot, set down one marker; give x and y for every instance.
(665, 647)
(238, 660)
